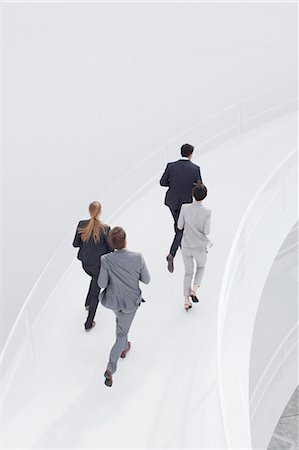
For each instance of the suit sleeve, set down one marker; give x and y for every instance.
(77, 239)
(144, 273)
(207, 225)
(181, 219)
(165, 177)
(199, 174)
(103, 275)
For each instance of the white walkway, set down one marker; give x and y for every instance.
(165, 392)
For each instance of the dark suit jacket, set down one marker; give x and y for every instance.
(90, 252)
(180, 176)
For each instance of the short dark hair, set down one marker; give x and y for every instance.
(117, 238)
(199, 192)
(187, 150)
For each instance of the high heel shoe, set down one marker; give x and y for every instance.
(188, 306)
(193, 297)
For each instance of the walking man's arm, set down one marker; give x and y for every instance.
(200, 179)
(103, 275)
(165, 177)
(144, 273)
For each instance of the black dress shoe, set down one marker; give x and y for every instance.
(108, 378)
(194, 298)
(169, 259)
(92, 326)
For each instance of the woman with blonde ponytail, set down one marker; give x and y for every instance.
(92, 239)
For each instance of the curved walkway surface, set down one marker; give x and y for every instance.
(165, 392)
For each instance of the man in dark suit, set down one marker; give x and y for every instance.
(180, 177)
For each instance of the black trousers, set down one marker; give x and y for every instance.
(92, 299)
(178, 233)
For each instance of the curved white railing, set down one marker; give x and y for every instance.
(292, 244)
(271, 390)
(288, 345)
(274, 204)
(208, 133)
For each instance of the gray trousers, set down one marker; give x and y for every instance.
(123, 324)
(189, 255)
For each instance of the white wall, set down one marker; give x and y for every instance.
(89, 88)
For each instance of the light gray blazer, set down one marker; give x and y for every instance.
(120, 274)
(195, 219)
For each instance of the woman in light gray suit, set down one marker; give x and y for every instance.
(195, 221)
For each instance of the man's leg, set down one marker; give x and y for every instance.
(176, 241)
(123, 324)
(175, 214)
(94, 297)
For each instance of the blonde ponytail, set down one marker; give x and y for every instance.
(95, 226)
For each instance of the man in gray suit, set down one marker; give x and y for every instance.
(119, 276)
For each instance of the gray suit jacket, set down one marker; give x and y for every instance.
(120, 274)
(195, 219)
